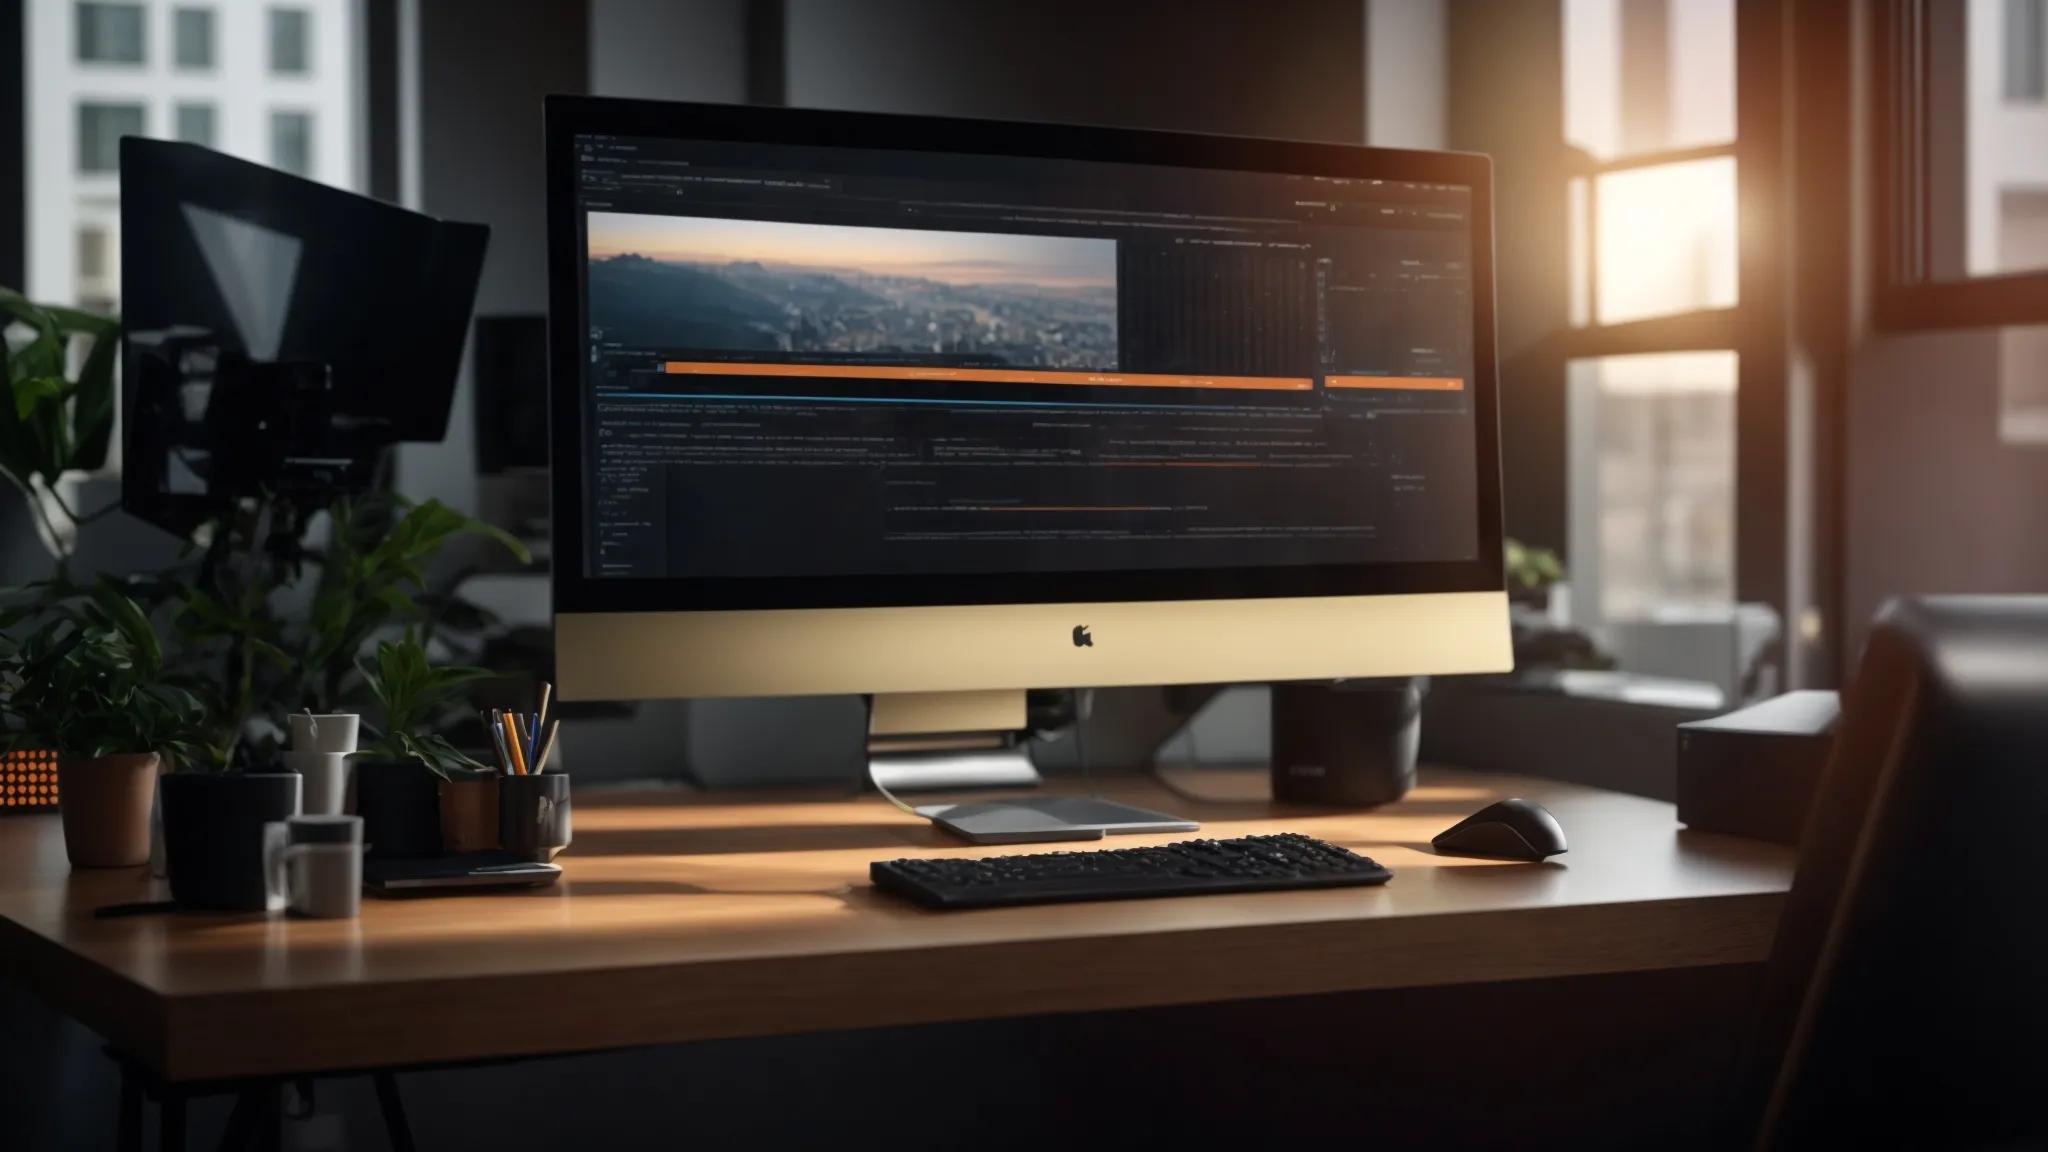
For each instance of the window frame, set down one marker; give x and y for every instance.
(14, 144)
(1903, 50)
(1676, 332)
(1754, 328)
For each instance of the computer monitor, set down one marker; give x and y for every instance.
(941, 410)
(278, 334)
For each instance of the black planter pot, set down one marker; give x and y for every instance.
(213, 834)
(400, 803)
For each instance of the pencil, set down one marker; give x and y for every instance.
(497, 738)
(547, 747)
(512, 738)
(541, 717)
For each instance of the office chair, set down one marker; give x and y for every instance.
(1906, 999)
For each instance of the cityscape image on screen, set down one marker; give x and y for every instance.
(759, 286)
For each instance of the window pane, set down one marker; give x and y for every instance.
(192, 33)
(289, 33)
(1648, 75)
(2026, 50)
(1981, 188)
(92, 252)
(2023, 385)
(204, 77)
(109, 33)
(291, 142)
(1653, 480)
(1664, 239)
(1579, 243)
(195, 124)
(100, 128)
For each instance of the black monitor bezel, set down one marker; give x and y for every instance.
(570, 116)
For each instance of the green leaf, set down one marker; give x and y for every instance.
(33, 392)
(92, 414)
(134, 627)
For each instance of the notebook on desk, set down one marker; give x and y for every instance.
(426, 875)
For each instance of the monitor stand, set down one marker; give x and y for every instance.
(956, 740)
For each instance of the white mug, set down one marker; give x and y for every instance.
(313, 866)
(327, 732)
(325, 776)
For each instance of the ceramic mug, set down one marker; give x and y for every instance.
(313, 866)
(325, 792)
(327, 732)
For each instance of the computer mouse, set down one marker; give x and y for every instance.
(1514, 829)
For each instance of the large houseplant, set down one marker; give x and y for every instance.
(53, 423)
(87, 679)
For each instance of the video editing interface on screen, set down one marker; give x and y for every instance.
(837, 362)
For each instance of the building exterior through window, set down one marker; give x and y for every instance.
(266, 82)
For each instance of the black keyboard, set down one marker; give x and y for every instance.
(1185, 868)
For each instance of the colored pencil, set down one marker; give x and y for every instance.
(547, 747)
(512, 738)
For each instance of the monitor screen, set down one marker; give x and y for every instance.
(824, 368)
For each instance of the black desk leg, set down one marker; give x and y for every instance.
(128, 1137)
(393, 1108)
(235, 1136)
(171, 1123)
(270, 1113)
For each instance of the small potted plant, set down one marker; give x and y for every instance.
(88, 682)
(1532, 573)
(214, 810)
(410, 781)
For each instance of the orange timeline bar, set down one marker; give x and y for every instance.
(1398, 383)
(989, 375)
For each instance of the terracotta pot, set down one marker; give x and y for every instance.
(469, 814)
(105, 802)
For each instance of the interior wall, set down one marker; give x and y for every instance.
(483, 68)
(1508, 62)
(669, 50)
(1293, 69)
(1936, 502)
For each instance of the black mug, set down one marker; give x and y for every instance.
(533, 816)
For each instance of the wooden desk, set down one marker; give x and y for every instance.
(684, 917)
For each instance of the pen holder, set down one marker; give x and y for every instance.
(533, 816)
